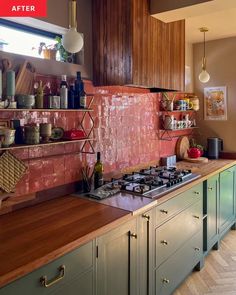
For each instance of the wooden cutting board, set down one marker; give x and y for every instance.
(25, 79)
(182, 147)
(196, 160)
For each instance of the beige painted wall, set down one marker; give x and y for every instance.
(221, 64)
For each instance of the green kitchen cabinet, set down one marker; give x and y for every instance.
(226, 200)
(117, 261)
(71, 274)
(211, 201)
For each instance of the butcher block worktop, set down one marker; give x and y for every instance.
(32, 237)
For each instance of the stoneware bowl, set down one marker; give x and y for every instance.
(25, 101)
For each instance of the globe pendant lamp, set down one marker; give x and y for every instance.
(204, 77)
(72, 41)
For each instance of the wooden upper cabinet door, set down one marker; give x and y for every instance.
(132, 47)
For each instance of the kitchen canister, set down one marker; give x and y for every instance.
(45, 131)
(31, 134)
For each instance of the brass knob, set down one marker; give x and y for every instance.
(164, 242)
(197, 249)
(165, 281)
(196, 193)
(164, 211)
(133, 235)
(196, 216)
(146, 216)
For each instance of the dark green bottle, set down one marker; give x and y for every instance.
(98, 172)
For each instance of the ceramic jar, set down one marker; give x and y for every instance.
(31, 135)
(7, 137)
(195, 103)
(45, 131)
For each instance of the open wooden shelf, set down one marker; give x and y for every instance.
(21, 146)
(180, 129)
(46, 110)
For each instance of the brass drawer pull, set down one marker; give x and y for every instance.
(197, 193)
(197, 249)
(44, 281)
(165, 281)
(146, 216)
(164, 242)
(210, 188)
(196, 216)
(133, 235)
(164, 211)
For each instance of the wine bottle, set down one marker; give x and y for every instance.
(98, 172)
(82, 97)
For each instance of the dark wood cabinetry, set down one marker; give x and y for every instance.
(132, 47)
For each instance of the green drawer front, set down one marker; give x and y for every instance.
(178, 266)
(76, 262)
(171, 235)
(178, 203)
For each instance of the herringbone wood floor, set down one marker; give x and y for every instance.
(218, 277)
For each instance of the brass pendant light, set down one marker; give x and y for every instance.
(72, 41)
(204, 76)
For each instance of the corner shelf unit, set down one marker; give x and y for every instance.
(86, 141)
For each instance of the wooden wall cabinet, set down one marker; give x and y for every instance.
(130, 47)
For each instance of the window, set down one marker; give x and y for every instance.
(26, 40)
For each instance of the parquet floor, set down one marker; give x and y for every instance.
(218, 277)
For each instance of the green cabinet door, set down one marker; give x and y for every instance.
(145, 252)
(211, 189)
(117, 261)
(226, 200)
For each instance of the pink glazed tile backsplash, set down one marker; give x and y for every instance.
(126, 134)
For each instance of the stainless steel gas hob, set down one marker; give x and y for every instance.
(150, 183)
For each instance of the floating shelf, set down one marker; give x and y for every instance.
(46, 110)
(22, 146)
(180, 129)
(178, 111)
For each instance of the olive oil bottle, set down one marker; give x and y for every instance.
(98, 172)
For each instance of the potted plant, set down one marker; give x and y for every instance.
(48, 51)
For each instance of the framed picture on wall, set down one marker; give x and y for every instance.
(215, 103)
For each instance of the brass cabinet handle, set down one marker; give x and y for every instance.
(146, 216)
(165, 281)
(164, 242)
(210, 188)
(133, 235)
(197, 249)
(197, 193)
(164, 211)
(44, 281)
(196, 216)
(229, 171)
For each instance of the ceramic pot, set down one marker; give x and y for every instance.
(7, 136)
(45, 131)
(25, 101)
(31, 135)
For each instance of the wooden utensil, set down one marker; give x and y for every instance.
(5, 66)
(182, 147)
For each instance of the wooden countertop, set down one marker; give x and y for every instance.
(32, 237)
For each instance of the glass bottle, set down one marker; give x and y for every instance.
(98, 172)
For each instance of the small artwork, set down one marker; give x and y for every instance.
(215, 104)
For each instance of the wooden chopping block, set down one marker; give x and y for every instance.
(196, 160)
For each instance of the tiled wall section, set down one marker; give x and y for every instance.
(126, 133)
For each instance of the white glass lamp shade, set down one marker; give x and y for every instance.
(72, 41)
(204, 77)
